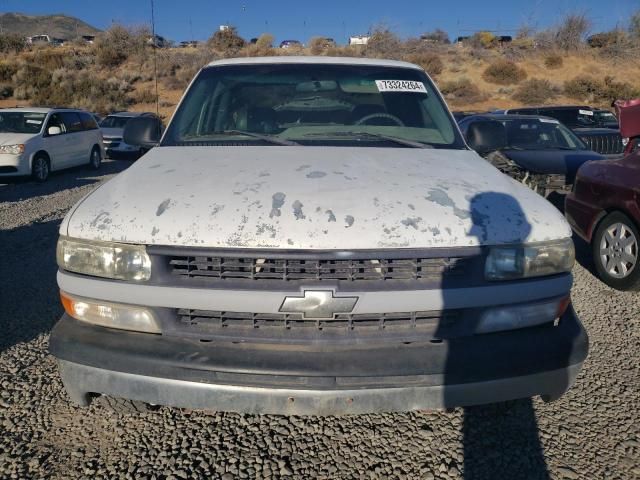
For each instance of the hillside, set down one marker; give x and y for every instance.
(116, 73)
(57, 26)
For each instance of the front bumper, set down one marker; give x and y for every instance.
(14, 165)
(320, 380)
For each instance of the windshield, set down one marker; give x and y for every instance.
(540, 134)
(21, 122)
(114, 122)
(305, 104)
(603, 117)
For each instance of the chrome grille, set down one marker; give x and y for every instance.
(606, 144)
(281, 269)
(218, 321)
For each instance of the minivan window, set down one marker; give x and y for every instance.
(55, 120)
(71, 121)
(339, 105)
(21, 122)
(88, 122)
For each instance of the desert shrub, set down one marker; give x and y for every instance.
(482, 40)
(504, 72)
(48, 58)
(553, 61)
(226, 42)
(10, 42)
(535, 91)
(462, 91)
(117, 44)
(262, 48)
(319, 45)
(7, 71)
(32, 82)
(431, 62)
(582, 87)
(146, 95)
(383, 43)
(601, 91)
(605, 39)
(6, 91)
(569, 35)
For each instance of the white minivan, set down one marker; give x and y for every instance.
(37, 141)
(312, 235)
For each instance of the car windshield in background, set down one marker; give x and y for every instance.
(114, 122)
(21, 122)
(540, 134)
(338, 105)
(602, 117)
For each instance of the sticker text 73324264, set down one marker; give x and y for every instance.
(400, 86)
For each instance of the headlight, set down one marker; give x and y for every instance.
(12, 149)
(112, 315)
(104, 259)
(533, 260)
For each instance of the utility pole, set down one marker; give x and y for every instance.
(155, 57)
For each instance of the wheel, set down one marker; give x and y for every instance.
(40, 168)
(122, 405)
(615, 252)
(96, 159)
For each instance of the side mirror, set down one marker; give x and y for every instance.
(486, 136)
(142, 132)
(54, 131)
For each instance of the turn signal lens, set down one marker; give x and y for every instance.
(112, 315)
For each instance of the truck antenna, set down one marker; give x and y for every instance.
(155, 58)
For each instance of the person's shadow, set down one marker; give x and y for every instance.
(500, 440)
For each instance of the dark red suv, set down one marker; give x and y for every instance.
(604, 209)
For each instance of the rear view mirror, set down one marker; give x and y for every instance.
(486, 136)
(54, 131)
(142, 132)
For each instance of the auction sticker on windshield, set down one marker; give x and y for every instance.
(400, 86)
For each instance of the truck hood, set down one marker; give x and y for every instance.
(15, 138)
(564, 162)
(313, 198)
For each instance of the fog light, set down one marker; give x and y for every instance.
(513, 317)
(112, 315)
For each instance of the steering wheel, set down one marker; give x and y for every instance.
(393, 118)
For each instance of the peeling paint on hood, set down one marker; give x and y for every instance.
(274, 197)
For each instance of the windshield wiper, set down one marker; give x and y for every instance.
(266, 138)
(389, 138)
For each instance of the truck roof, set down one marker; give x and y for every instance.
(312, 60)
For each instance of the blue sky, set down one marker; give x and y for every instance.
(302, 19)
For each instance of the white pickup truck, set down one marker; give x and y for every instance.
(312, 235)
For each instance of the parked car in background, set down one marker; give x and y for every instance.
(290, 44)
(112, 127)
(359, 39)
(189, 44)
(313, 236)
(592, 125)
(604, 210)
(37, 141)
(538, 151)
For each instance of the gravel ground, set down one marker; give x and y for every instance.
(592, 432)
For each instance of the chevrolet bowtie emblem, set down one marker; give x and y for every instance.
(318, 304)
